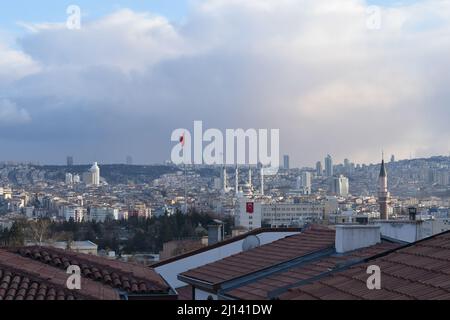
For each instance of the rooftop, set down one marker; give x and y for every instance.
(101, 278)
(267, 287)
(263, 257)
(418, 271)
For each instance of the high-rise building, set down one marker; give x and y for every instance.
(319, 169)
(69, 178)
(340, 186)
(286, 162)
(392, 158)
(69, 161)
(329, 166)
(95, 174)
(76, 179)
(383, 193)
(306, 182)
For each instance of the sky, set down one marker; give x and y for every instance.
(332, 75)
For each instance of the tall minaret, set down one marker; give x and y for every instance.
(224, 177)
(262, 181)
(237, 180)
(383, 193)
(250, 176)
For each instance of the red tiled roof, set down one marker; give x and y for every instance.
(131, 278)
(225, 242)
(25, 279)
(261, 289)
(418, 271)
(311, 240)
(185, 293)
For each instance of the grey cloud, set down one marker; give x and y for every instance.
(311, 68)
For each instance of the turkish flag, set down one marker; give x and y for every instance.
(182, 140)
(250, 207)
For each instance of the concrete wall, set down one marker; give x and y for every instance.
(352, 237)
(404, 231)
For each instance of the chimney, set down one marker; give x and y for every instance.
(215, 233)
(412, 213)
(352, 237)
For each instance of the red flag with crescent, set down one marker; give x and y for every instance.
(182, 140)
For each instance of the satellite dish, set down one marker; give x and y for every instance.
(251, 242)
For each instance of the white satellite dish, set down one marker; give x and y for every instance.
(251, 242)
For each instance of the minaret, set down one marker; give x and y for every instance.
(224, 179)
(262, 181)
(383, 193)
(237, 180)
(250, 176)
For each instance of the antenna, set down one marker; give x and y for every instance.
(251, 242)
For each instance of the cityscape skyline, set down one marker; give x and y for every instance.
(129, 160)
(224, 150)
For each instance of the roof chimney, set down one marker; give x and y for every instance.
(215, 233)
(352, 237)
(412, 213)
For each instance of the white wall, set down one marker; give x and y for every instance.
(406, 231)
(352, 237)
(171, 270)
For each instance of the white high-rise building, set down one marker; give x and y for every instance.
(69, 178)
(95, 174)
(340, 186)
(76, 179)
(306, 182)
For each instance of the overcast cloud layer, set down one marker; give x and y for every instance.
(313, 69)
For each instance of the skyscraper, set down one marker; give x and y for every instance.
(95, 174)
(340, 186)
(69, 161)
(306, 182)
(286, 162)
(319, 169)
(383, 193)
(69, 178)
(328, 166)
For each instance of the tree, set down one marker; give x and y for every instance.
(16, 235)
(39, 230)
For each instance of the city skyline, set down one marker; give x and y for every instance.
(134, 72)
(125, 161)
